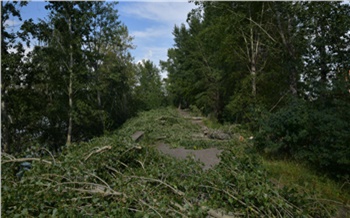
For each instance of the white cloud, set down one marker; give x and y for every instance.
(163, 12)
(153, 54)
(26, 49)
(151, 32)
(12, 23)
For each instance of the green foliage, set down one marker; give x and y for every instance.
(78, 78)
(148, 92)
(113, 176)
(284, 131)
(313, 133)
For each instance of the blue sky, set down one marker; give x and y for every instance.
(150, 23)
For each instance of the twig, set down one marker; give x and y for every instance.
(26, 159)
(54, 161)
(99, 189)
(329, 200)
(178, 212)
(278, 102)
(133, 147)
(345, 183)
(96, 191)
(114, 170)
(178, 206)
(161, 182)
(142, 165)
(104, 182)
(226, 192)
(98, 151)
(123, 164)
(215, 214)
(8, 156)
(143, 202)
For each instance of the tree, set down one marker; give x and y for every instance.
(107, 39)
(86, 36)
(10, 70)
(327, 55)
(81, 73)
(149, 89)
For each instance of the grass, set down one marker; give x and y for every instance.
(288, 173)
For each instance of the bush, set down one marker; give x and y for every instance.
(308, 131)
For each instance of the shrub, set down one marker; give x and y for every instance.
(308, 131)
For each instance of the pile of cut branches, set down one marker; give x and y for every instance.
(112, 176)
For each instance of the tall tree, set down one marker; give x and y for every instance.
(327, 55)
(107, 38)
(82, 70)
(67, 22)
(12, 53)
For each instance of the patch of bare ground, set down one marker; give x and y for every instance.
(209, 157)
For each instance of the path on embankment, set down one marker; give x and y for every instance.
(209, 157)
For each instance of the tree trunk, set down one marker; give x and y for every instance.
(253, 73)
(70, 102)
(293, 82)
(99, 104)
(254, 47)
(70, 89)
(4, 127)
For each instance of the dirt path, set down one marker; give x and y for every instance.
(209, 157)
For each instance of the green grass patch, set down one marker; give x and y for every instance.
(287, 173)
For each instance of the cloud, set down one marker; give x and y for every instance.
(26, 49)
(162, 12)
(152, 24)
(151, 32)
(153, 54)
(12, 23)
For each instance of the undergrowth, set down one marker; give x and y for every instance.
(287, 173)
(112, 176)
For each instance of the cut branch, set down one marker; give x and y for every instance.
(25, 159)
(98, 151)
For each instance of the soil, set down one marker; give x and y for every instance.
(209, 157)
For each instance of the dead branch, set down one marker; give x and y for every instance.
(8, 156)
(54, 161)
(143, 202)
(104, 182)
(26, 159)
(97, 190)
(98, 151)
(161, 182)
(216, 214)
(278, 101)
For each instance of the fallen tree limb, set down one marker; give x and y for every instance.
(216, 214)
(98, 151)
(150, 206)
(98, 190)
(54, 161)
(161, 182)
(26, 159)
